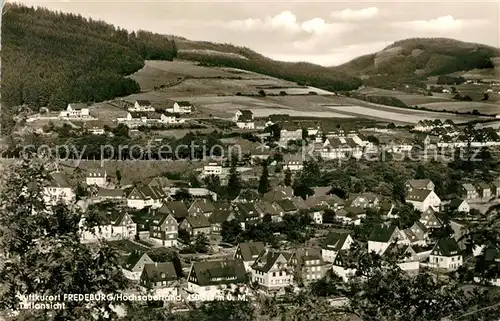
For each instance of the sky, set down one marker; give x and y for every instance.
(323, 32)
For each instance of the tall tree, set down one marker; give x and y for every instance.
(45, 255)
(234, 182)
(264, 185)
(288, 177)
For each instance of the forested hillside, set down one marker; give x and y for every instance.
(424, 57)
(50, 59)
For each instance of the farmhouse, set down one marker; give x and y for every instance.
(406, 256)
(201, 207)
(248, 253)
(459, 206)
(142, 106)
(73, 110)
(423, 199)
(417, 234)
(97, 127)
(430, 219)
(244, 119)
(58, 189)
(484, 190)
(180, 107)
(96, 176)
(211, 279)
(213, 168)
(446, 255)
(219, 217)
(341, 265)
(195, 225)
(496, 188)
(340, 148)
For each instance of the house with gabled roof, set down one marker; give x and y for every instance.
(213, 279)
(344, 265)
(425, 184)
(334, 243)
(177, 208)
(484, 190)
(423, 199)
(446, 255)
(293, 162)
(144, 196)
(417, 234)
(247, 196)
(161, 277)
(363, 200)
(248, 253)
(459, 205)
(491, 258)
(141, 106)
(287, 207)
(405, 256)
(289, 131)
(471, 192)
(161, 182)
(382, 236)
(115, 194)
(496, 188)
(244, 119)
(309, 265)
(273, 270)
(246, 214)
(430, 219)
(201, 206)
(164, 229)
(182, 107)
(195, 225)
(75, 110)
(267, 208)
(96, 176)
(218, 217)
(278, 193)
(113, 225)
(58, 189)
(134, 264)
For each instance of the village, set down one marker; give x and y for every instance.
(186, 241)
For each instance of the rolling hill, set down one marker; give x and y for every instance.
(422, 57)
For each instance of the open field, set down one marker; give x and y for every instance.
(408, 98)
(296, 91)
(106, 112)
(463, 106)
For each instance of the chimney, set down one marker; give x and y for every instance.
(307, 252)
(156, 264)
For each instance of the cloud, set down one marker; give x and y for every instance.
(441, 24)
(356, 15)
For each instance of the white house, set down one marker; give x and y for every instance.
(142, 105)
(290, 131)
(213, 168)
(164, 229)
(423, 199)
(77, 110)
(96, 176)
(248, 253)
(182, 107)
(293, 162)
(492, 257)
(414, 184)
(162, 278)
(407, 258)
(342, 265)
(210, 280)
(446, 255)
(244, 119)
(273, 270)
(382, 236)
(334, 243)
(114, 226)
(144, 196)
(459, 205)
(58, 189)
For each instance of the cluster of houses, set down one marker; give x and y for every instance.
(428, 125)
(150, 213)
(482, 191)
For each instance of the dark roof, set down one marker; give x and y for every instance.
(246, 115)
(247, 210)
(206, 205)
(183, 103)
(147, 192)
(483, 185)
(96, 172)
(418, 195)
(147, 114)
(287, 205)
(278, 117)
(161, 182)
(78, 106)
(419, 183)
(335, 240)
(159, 272)
(382, 233)
(222, 206)
(58, 179)
(455, 203)
(250, 251)
(177, 208)
(110, 192)
(199, 221)
(219, 272)
(278, 193)
(448, 247)
(267, 259)
(248, 195)
(133, 259)
(143, 102)
(268, 208)
(321, 190)
(219, 217)
(289, 126)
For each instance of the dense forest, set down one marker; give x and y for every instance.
(50, 59)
